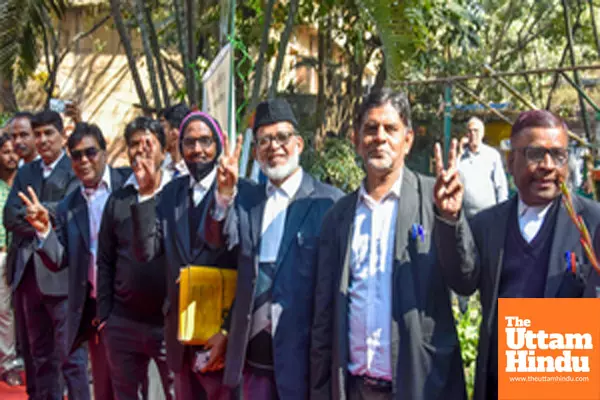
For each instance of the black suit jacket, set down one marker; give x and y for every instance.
(293, 283)
(471, 256)
(161, 228)
(68, 247)
(425, 353)
(50, 191)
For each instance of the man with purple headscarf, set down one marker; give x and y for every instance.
(172, 227)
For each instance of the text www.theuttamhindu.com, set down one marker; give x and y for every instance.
(567, 378)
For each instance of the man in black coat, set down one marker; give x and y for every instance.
(130, 293)
(73, 243)
(40, 295)
(517, 248)
(383, 324)
(172, 226)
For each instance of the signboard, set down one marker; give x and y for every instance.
(219, 94)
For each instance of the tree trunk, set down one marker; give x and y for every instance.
(191, 14)
(115, 10)
(139, 15)
(259, 66)
(594, 27)
(281, 52)
(183, 49)
(322, 82)
(8, 100)
(156, 50)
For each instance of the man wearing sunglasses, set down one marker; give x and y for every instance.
(73, 244)
(515, 249)
(274, 229)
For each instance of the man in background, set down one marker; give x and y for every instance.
(21, 133)
(481, 169)
(170, 120)
(9, 362)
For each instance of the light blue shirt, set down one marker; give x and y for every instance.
(370, 291)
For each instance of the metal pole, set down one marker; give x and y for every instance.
(586, 122)
(511, 89)
(483, 103)
(450, 79)
(581, 92)
(447, 120)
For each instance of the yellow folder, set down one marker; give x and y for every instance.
(205, 296)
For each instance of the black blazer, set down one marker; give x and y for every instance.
(425, 353)
(50, 191)
(68, 246)
(293, 283)
(472, 259)
(161, 228)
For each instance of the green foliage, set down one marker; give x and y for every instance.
(335, 164)
(467, 326)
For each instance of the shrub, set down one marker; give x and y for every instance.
(336, 164)
(467, 325)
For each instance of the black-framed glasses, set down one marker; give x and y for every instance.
(281, 138)
(90, 152)
(205, 142)
(536, 155)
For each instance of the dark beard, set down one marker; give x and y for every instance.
(199, 170)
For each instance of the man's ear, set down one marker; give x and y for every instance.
(510, 159)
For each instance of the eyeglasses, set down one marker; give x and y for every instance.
(281, 138)
(536, 155)
(205, 142)
(90, 153)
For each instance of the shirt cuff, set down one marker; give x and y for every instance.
(42, 236)
(222, 204)
(144, 198)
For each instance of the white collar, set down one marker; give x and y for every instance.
(54, 163)
(290, 186)
(105, 179)
(394, 190)
(206, 182)
(539, 211)
(165, 177)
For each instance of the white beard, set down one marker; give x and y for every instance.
(281, 172)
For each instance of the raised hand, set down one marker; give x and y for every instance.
(145, 169)
(36, 214)
(229, 167)
(448, 189)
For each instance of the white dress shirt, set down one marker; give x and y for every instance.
(531, 219)
(47, 169)
(370, 291)
(22, 161)
(273, 222)
(132, 181)
(201, 188)
(96, 200)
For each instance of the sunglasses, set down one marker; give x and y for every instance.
(281, 138)
(536, 155)
(90, 153)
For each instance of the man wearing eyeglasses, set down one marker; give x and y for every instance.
(73, 244)
(482, 172)
(515, 249)
(171, 227)
(274, 228)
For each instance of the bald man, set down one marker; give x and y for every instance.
(482, 172)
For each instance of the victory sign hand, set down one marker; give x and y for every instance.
(448, 189)
(229, 167)
(36, 214)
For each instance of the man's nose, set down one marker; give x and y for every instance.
(548, 162)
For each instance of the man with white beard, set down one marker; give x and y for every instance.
(275, 228)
